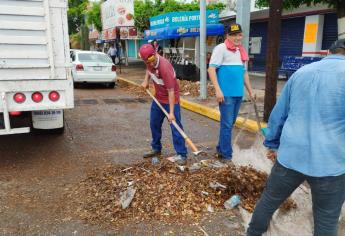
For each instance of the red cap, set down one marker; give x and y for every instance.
(146, 51)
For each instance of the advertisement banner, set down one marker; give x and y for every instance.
(125, 33)
(183, 19)
(183, 31)
(117, 13)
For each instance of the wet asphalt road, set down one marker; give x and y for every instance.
(106, 126)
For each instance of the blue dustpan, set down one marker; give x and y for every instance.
(264, 131)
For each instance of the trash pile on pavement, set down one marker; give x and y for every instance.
(163, 192)
(193, 89)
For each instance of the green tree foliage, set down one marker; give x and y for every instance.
(76, 9)
(144, 9)
(339, 5)
(93, 16)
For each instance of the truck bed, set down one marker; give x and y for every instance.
(33, 43)
(34, 64)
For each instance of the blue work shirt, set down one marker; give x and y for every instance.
(307, 125)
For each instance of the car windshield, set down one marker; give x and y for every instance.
(93, 57)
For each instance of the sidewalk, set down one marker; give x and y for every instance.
(134, 74)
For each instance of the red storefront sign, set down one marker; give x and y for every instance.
(125, 33)
(132, 32)
(93, 34)
(105, 35)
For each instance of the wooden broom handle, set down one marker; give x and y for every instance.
(187, 139)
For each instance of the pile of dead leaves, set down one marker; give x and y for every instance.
(188, 88)
(138, 91)
(162, 192)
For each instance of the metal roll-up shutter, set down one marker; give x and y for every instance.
(330, 30)
(291, 39)
(257, 62)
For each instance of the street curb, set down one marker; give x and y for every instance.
(212, 113)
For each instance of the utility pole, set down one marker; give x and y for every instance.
(243, 18)
(272, 57)
(203, 76)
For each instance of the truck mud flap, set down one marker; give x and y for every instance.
(5, 125)
(49, 119)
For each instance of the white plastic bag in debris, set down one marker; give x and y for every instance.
(294, 222)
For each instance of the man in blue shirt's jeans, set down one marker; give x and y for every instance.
(307, 129)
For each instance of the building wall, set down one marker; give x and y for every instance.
(132, 48)
(292, 34)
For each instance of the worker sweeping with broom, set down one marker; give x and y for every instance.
(162, 73)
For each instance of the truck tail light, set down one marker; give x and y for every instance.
(19, 98)
(37, 97)
(15, 113)
(54, 96)
(79, 67)
(113, 68)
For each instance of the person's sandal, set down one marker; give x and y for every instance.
(180, 160)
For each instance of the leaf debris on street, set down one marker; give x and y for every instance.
(193, 89)
(164, 193)
(187, 88)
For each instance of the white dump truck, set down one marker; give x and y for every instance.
(35, 81)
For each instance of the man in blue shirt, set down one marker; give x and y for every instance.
(227, 71)
(307, 129)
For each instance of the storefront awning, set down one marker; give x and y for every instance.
(183, 31)
(100, 41)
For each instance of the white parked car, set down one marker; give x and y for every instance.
(93, 67)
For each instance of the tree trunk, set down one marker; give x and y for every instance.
(272, 58)
(84, 31)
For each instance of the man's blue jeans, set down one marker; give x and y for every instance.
(156, 122)
(328, 195)
(228, 114)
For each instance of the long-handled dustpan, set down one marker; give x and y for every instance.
(260, 129)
